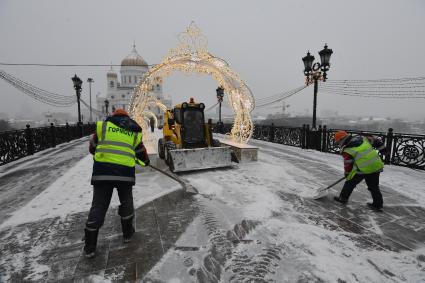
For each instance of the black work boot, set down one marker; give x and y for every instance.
(127, 228)
(90, 242)
(374, 207)
(341, 200)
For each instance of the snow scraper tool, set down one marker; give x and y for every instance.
(322, 192)
(188, 188)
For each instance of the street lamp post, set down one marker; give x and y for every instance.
(90, 81)
(220, 94)
(77, 86)
(106, 107)
(316, 72)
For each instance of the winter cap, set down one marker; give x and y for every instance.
(340, 135)
(120, 112)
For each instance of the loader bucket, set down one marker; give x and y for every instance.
(200, 158)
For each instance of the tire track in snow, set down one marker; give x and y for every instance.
(221, 241)
(257, 268)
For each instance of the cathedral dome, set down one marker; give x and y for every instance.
(134, 59)
(111, 74)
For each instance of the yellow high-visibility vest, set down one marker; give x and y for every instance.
(116, 145)
(366, 159)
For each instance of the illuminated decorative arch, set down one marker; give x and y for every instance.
(192, 56)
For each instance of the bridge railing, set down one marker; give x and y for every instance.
(20, 143)
(401, 149)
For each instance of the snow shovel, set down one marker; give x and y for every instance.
(322, 192)
(188, 188)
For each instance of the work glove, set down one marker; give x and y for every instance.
(141, 163)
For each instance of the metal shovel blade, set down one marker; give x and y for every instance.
(322, 192)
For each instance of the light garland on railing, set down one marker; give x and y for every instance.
(192, 56)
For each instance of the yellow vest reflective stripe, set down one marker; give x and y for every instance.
(116, 145)
(366, 159)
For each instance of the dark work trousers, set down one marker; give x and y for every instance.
(372, 182)
(102, 194)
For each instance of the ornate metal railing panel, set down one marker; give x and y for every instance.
(262, 132)
(41, 138)
(331, 146)
(288, 136)
(408, 150)
(401, 149)
(13, 146)
(21, 143)
(62, 134)
(283, 135)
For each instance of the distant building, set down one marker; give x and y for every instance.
(119, 91)
(56, 118)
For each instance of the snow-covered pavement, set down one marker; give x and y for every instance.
(270, 230)
(254, 222)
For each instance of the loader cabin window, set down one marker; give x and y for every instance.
(177, 115)
(193, 121)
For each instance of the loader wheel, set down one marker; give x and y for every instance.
(166, 153)
(216, 143)
(169, 146)
(161, 148)
(171, 164)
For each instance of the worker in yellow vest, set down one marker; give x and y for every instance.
(361, 161)
(117, 146)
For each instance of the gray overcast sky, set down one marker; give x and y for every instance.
(263, 41)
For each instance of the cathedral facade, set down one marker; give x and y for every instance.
(119, 90)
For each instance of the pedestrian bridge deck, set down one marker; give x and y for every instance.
(190, 233)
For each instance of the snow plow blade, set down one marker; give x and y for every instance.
(200, 158)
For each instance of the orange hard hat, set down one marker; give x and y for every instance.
(340, 135)
(120, 112)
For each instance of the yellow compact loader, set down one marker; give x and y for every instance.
(187, 143)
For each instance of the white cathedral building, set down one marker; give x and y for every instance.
(118, 92)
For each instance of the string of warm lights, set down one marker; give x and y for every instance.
(39, 94)
(282, 96)
(211, 108)
(396, 80)
(66, 65)
(96, 111)
(402, 88)
(376, 96)
(412, 84)
(42, 95)
(192, 56)
(385, 91)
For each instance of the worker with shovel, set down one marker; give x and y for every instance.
(117, 146)
(361, 161)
